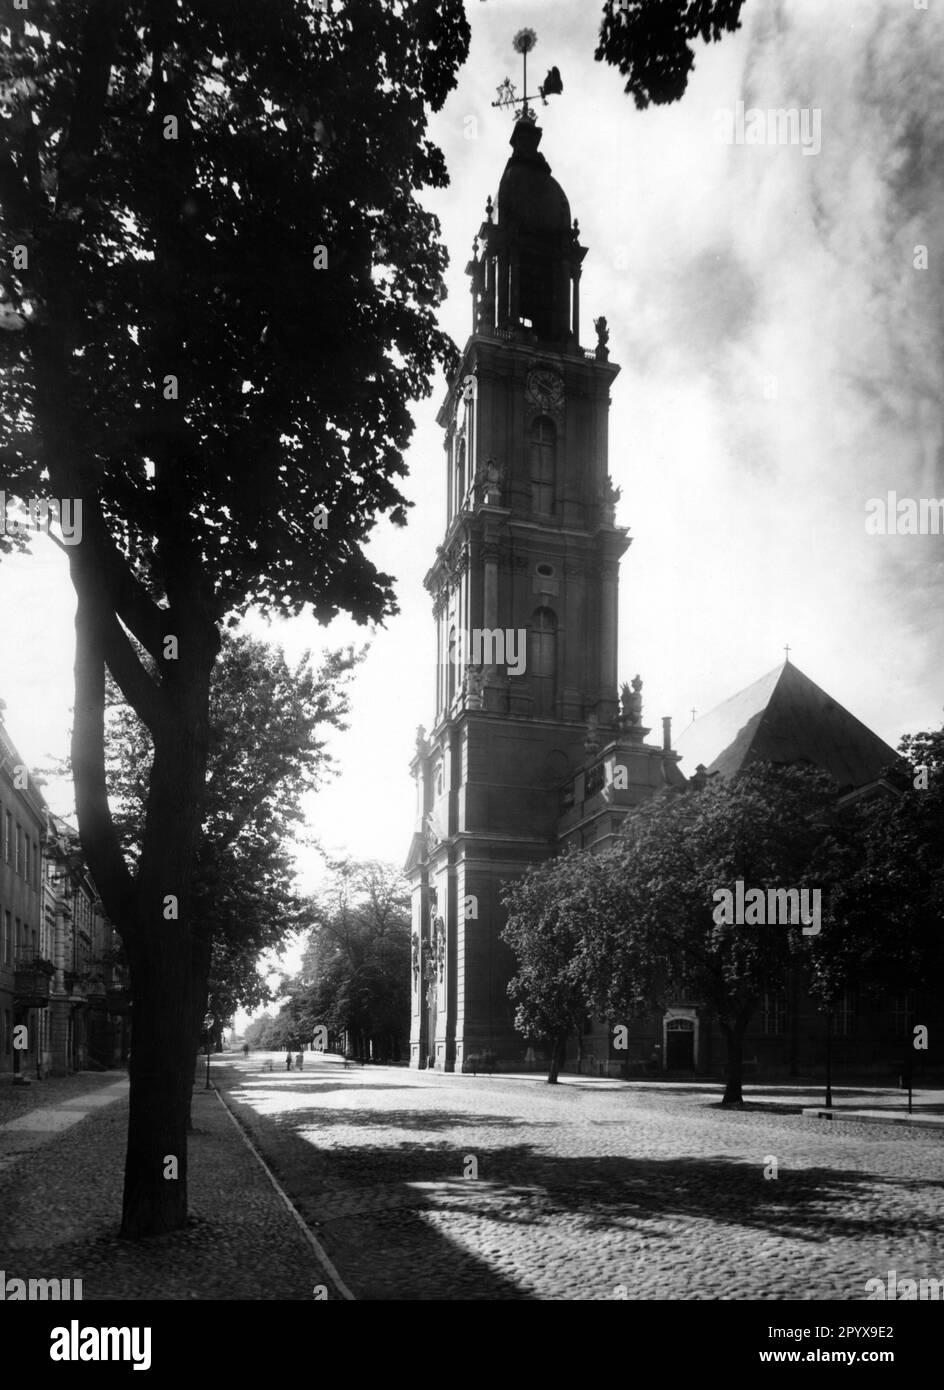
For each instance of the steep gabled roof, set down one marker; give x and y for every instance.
(785, 718)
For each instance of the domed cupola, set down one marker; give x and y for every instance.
(528, 197)
(525, 282)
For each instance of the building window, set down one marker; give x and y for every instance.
(542, 659)
(543, 458)
(844, 1015)
(451, 671)
(17, 857)
(536, 281)
(774, 1014)
(6, 837)
(460, 473)
(7, 939)
(902, 1013)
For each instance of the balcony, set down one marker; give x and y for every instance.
(32, 976)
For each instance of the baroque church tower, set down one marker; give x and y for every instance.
(530, 746)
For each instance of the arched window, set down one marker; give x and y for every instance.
(543, 458)
(451, 671)
(460, 473)
(542, 659)
(536, 293)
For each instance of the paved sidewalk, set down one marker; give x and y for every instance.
(55, 1090)
(60, 1205)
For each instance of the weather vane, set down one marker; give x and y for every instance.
(523, 42)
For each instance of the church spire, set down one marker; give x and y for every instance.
(525, 282)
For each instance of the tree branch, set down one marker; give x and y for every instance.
(99, 837)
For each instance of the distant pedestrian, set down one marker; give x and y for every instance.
(245, 1049)
(299, 1062)
(288, 1061)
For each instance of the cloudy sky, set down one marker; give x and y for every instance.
(782, 362)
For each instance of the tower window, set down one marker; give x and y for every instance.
(536, 293)
(542, 659)
(451, 671)
(543, 458)
(460, 473)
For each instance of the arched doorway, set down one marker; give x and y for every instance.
(680, 1032)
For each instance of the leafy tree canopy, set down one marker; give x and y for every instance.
(355, 973)
(170, 172)
(886, 932)
(651, 42)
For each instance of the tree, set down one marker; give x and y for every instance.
(219, 293)
(256, 1029)
(355, 973)
(267, 748)
(885, 929)
(624, 929)
(769, 828)
(651, 42)
(560, 922)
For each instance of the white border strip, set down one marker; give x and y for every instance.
(319, 1250)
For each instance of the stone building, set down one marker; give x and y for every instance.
(64, 1001)
(533, 747)
(89, 1009)
(25, 964)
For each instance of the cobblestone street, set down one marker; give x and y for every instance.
(588, 1190)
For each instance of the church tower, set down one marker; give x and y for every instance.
(525, 595)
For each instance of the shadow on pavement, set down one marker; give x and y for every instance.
(380, 1207)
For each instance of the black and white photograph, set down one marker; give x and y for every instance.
(471, 676)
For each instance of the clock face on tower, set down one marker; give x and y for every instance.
(546, 387)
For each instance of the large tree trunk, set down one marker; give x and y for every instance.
(152, 913)
(558, 1057)
(161, 953)
(161, 1070)
(734, 1037)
